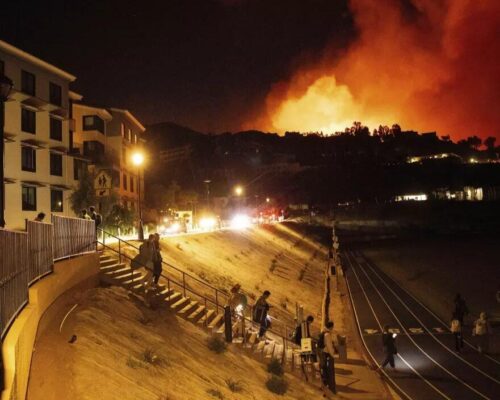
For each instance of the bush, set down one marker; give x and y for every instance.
(277, 384)
(234, 386)
(274, 367)
(216, 344)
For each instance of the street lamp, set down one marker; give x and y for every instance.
(138, 161)
(238, 190)
(5, 88)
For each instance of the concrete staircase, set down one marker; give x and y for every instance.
(112, 272)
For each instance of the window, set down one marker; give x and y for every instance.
(93, 122)
(28, 159)
(27, 83)
(129, 135)
(78, 166)
(124, 182)
(55, 164)
(55, 94)
(93, 149)
(122, 129)
(29, 198)
(56, 129)
(56, 200)
(2, 68)
(132, 184)
(135, 138)
(28, 120)
(124, 155)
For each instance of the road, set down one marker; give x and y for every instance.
(427, 365)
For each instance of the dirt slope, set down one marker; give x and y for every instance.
(114, 333)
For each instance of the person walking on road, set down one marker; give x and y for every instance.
(456, 329)
(481, 331)
(389, 344)
(260, 311)
(461, 309)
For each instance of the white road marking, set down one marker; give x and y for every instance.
(415, 343)
(431, 312)
(371, 331)
(429, 331)
(380, 326)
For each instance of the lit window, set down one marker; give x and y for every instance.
(56, 200)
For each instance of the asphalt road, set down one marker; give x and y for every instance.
(427, 365)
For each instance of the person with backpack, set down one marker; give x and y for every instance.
(260, 311)
(326, 351)
(456, 329)
(157, 260)
(389, 344)
(85, 215)
(297, 334)
(481, 331)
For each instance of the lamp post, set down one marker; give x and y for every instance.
(238, 190)
(5, 88)
(138, 160)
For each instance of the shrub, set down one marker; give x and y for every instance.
(277, 384)
(150, 357)
(216, 344)
(234, 386)
(274, 367)
(215, 393)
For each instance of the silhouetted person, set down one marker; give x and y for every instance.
(157, 259)
(326, 352)
(389, 344)
(40, 217)
(84, 214)
(456, 329)
(461, 309)
(260, 311)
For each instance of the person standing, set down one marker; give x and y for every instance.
(389, 344)
(456, 329)
(461, 309)
(482, 330)
(260, 311)
(95, 216)
(147, 254)
(84, 215)
(40, 217)
(157, 260)
(326, 350)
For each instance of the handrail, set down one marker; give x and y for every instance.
(183, 285)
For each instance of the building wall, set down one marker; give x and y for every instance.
(14, 215)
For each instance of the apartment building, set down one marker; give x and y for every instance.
(107, 138)
(38, 166)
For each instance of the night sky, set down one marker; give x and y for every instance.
(206, 64)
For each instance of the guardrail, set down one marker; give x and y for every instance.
(40, 251)
(72, 236)
(186, 283)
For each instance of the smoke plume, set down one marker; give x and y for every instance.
(429, 65)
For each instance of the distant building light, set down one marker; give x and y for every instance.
(412, 197)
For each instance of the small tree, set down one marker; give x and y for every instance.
(84, 196)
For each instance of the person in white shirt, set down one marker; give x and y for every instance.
(326, 349)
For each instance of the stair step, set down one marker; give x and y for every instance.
(260, 346)
(172, 298)
(207, 317)
(179, 303)
(219, 319)
(197, 313)
(112, 267)
(165, 293)
(185, 311)
(278, 351)
(107, 262)
(251, 339)
(269, 349)
(104, 257)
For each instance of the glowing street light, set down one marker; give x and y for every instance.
(138, 161)
(268, 199)
(238, 190)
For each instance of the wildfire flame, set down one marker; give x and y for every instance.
(427, 65)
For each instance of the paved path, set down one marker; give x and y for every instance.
(427, 365)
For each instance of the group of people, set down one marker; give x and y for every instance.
(481, 330)
(151, 260)
(93, 215)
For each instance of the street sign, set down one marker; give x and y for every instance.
(102, 181)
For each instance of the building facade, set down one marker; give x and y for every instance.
(38, 165)
(107, 138)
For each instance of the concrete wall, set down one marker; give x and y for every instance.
(74, 274)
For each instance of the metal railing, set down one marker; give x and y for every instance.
(13, 276)
(188, 284)
(72, 237)
(40, 250)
